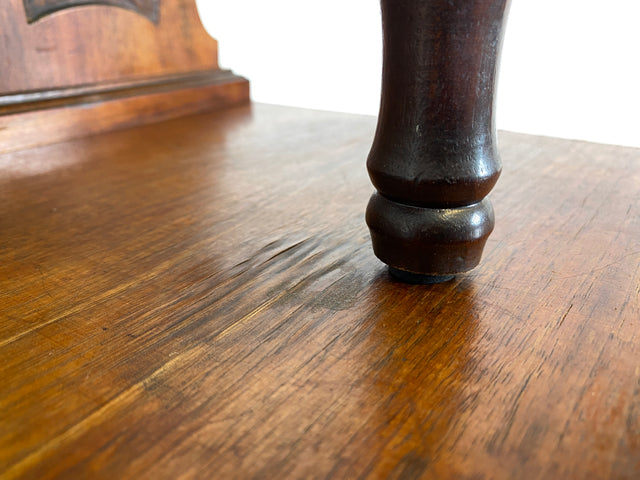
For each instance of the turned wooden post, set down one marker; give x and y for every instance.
(434, 158)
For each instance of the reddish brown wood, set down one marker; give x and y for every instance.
(170, 308)
(98, 44)
(69, 120)
(92, 67)
(434, 158)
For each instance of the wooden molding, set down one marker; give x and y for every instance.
(434, 157)
(75, 117)
(84, 67)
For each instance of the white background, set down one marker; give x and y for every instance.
(570, 68)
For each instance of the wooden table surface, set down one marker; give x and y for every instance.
(199, 299)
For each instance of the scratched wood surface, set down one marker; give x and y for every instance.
(199, 299)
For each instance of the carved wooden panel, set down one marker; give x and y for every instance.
(114, 43)
(36, 9)
(86, 70)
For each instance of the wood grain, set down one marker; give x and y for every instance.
(199, 299)
(44, 122)
(93, 67)
(434, 157)
(97, 44)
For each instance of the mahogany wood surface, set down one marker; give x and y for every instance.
(434, 158)
(199, 299)
(68, 119)
(71, 68)
(94, 44)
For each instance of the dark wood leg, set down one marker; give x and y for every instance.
(434, 158)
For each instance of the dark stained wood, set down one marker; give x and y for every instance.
(434, 157)
(37, 9)
(172, 308)
(88, 67)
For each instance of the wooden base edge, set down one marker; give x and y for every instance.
(88, 113)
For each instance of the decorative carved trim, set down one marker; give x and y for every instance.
(37, 9)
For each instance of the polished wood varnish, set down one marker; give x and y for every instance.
(72, 68)
(434, 158)
(199, 299)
